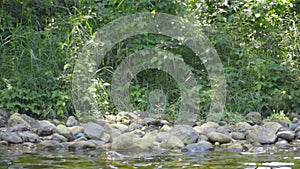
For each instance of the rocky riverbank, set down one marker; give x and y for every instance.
(135, 133)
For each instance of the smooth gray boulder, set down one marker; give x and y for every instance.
(94, 131)
(72, 122)
(186, 133)
(28, 136)
(265, 134)
(200, 147)
(64, 131)
(219, 137)
(45, 128)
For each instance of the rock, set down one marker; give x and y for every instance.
(134, 126)
(4, 115)
(58, 138)
(76, 129)
(65, 131)
(12, 137)
(169, 141)
(49, 145)
(238, 136)
(120, 127)
(17, 118)
(265, 134)
(165, 128)
(18, 128)
(45, 128)
(71, 122)
(235, 148)
(223, 129)
(152, 121)
(200, 147)
(81, 145)
(242, 127)
(206, 128)
(105, 137)
(219, 137)
(94, 131)
(287, 135)
(186, 133)
(254, 117)
(129, 142)
(28, 136)
(282, 144)
(202, 138)
(97, 142)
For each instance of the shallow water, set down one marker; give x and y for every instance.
(100, 159)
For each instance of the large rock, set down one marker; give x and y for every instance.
(206, 128)
(265, 134)
(49, 145)
(254, 117)
(45, 128)
(64, 131)
(94, 131)
(28, 136)
(186, 133)
(242, 127)
(129, 142)
(169, 141)
(200, 147)
(287, 135)
(219, 137)
(235, 147)
(81, 145)
(71, 121)
(58, 138)
(12, 137)
(17, 118)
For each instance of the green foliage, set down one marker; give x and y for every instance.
(279, 116)
(257, 41)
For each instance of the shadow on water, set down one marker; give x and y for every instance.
(100, 159)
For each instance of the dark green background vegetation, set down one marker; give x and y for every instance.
(258, 42)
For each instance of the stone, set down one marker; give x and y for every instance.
(254, 117)
(105, 137)
(12, 138)
(206, 128)
(76, 130)
(120, 126)
(28, 136)
(235, 148)
(97, 142)
(265, 134)
(94, 131)
(202, 138)
(81, 145)
(219, 137)
(165, 128)
(71, 122)
(129, 142)
(59, 138)
(287, 135)
(64, 131)
(45, 128)
(134, 126)
(242, 127)
(4, 115)
(19, 128)
(223, 129)
(238, 136)
(169, 141)
(200, 147)
(186, 133)
(17, 118)
(49, 145)
(152, 121)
